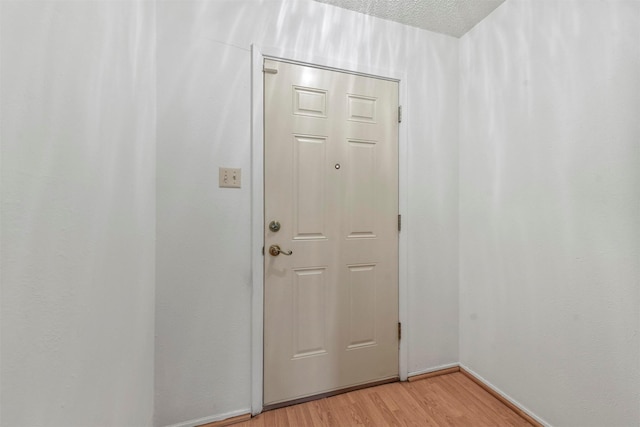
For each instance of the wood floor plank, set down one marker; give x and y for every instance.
(475, 403)
(429, 395)
(376, 404)
(446, 400)
(407, 404)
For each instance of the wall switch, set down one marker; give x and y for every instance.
(229, 177)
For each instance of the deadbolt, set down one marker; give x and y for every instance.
(274, 226)
(275, 250)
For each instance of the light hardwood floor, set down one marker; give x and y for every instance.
(446, 400)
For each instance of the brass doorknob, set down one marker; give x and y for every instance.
(275, 250)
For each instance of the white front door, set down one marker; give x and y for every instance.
(331, 198)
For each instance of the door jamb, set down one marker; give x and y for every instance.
(258, 54)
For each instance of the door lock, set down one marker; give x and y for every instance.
(274, 226)
(275, 250)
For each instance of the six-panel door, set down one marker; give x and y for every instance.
(331, 181)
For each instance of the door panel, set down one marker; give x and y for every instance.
(362, 305)
(309, 320)
(331, 157)
(310, 186)
(361, 198)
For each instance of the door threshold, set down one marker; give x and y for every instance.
(329, 393)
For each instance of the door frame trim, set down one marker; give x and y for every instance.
(258, 55)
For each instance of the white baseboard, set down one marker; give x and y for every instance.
(506, 396)
(433, 369)
(212, 418)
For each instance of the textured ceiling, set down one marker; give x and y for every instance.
(452, 17)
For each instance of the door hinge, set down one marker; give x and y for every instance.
(263, 251)
(270, 70)
(399, 222)
(399, 331)
(399, 113)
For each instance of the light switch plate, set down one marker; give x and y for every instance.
(229, 177)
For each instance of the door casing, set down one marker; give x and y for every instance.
(258, 54)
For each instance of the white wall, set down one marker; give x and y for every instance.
(203, 232)
(550, 207)
(77, 262)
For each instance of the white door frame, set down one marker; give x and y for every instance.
(258, 54)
